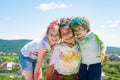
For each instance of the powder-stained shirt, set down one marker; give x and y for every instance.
(90, 48)
(66, 59)
(31, 48)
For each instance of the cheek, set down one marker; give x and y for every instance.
(71, 34)
(83, 34)
(49, 39)
(63, 37)
(58, 38)
(78, 33)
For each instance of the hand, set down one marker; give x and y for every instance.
(100, 57)
(105, 59)
(47, 75)
(35, 76)
(49, 72)
(38, 75)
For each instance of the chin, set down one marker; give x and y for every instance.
(54, 42)
(79, 37)
(70, 42)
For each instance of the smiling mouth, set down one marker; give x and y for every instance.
(78, 34)
(70, 38)
(54, 40)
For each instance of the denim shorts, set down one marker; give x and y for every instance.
(26, 63)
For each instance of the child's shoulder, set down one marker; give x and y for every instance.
(58, 45)
(93, 35)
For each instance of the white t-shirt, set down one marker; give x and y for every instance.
(90, 49)
(31, 48)
(66, 60)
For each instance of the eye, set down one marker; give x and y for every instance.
(62, 34)
(69, 32)
(81, 29)
(75, 30)
(57, 35)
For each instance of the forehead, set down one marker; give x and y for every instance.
(53, 31)
(65, 28)
(77, 27)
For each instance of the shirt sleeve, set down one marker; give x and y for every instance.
(44, 43)
(100, 42)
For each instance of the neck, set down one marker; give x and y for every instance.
(51, 44)
(70, 44)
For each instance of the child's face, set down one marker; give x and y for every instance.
(53, 36)
(79, 31)
(67, 35)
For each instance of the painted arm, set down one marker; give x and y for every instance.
(41, 55)
(103, 53)
(103, 57)
(49, 71)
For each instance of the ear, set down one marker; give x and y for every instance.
(86, 29)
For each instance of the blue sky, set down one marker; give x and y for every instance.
(28, 19)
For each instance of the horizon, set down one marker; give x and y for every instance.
(31, 39)
(28, 19)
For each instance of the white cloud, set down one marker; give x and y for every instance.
(111, 24)
(52, 6)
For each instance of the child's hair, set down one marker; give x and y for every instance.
(64, 22)
(80, 21)
(53, 25)
(67, 20)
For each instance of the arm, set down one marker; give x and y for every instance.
(41, 55)
(102, 48)
(102, 53)
(51, 68)
(104, 57)
(49, 71)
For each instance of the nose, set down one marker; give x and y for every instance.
(69, 37)
(78, 33)
(55, 39)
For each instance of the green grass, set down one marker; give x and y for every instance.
(9, 58)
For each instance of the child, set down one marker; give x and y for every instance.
(91, 47)
(65, 59)
(32, 54)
